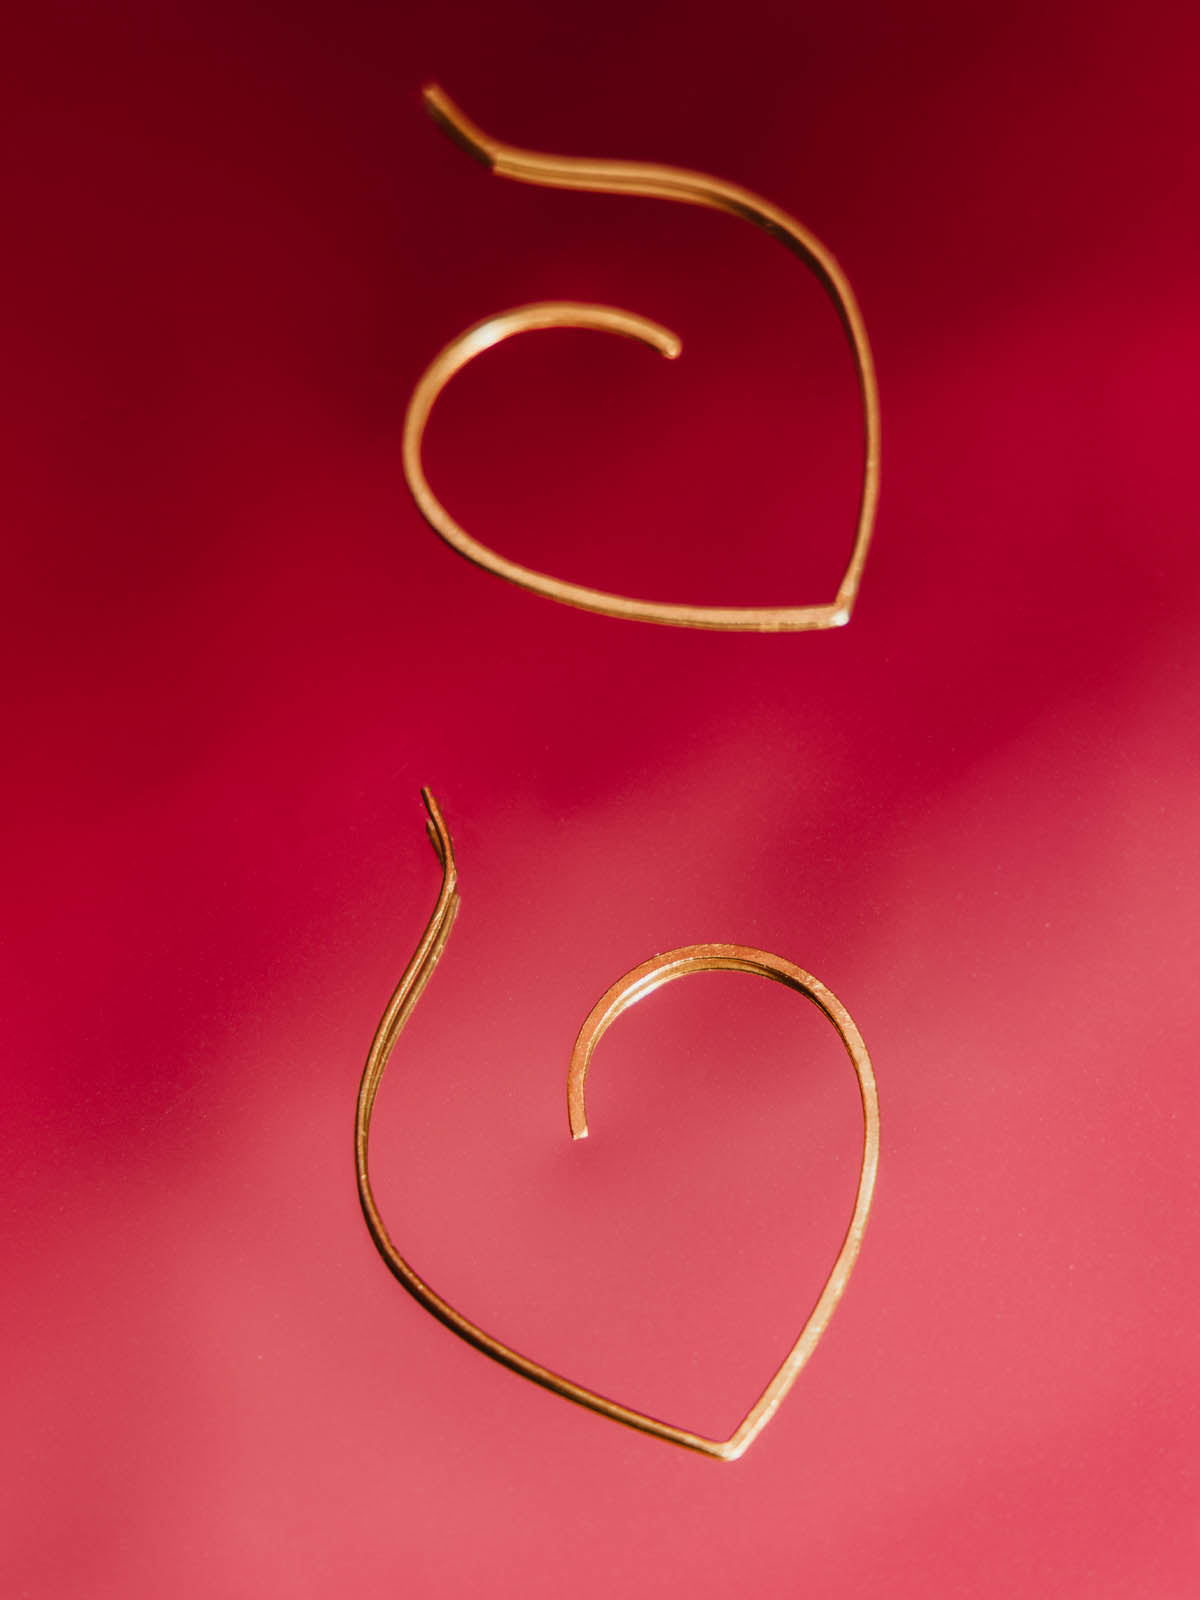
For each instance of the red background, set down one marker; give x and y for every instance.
(232, 243)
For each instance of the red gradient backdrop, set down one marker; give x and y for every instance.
(235, 653)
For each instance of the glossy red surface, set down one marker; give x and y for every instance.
(235, 653)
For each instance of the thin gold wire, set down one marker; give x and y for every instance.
(662, 183)
(634, 986)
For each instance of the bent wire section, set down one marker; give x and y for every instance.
(635, 986)
(662, 183)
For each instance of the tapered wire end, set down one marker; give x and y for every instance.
(576, 1109)
(439, 834)
(460, 128)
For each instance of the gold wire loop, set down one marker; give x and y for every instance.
(662, 183)
(482, 336)
(634, 986)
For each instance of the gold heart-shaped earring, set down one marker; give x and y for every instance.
(635, 986)
(663, 183)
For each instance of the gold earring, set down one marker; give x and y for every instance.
(663, 183)
(635, 986)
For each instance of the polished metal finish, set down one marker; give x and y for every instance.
(662, 183)
(635, 986)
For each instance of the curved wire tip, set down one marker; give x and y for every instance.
(439, 836)
(457, 125)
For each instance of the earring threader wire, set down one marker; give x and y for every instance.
(661, 183)
(634, 986)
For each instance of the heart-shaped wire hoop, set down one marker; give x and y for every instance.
(662, 183)
(635, 986)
